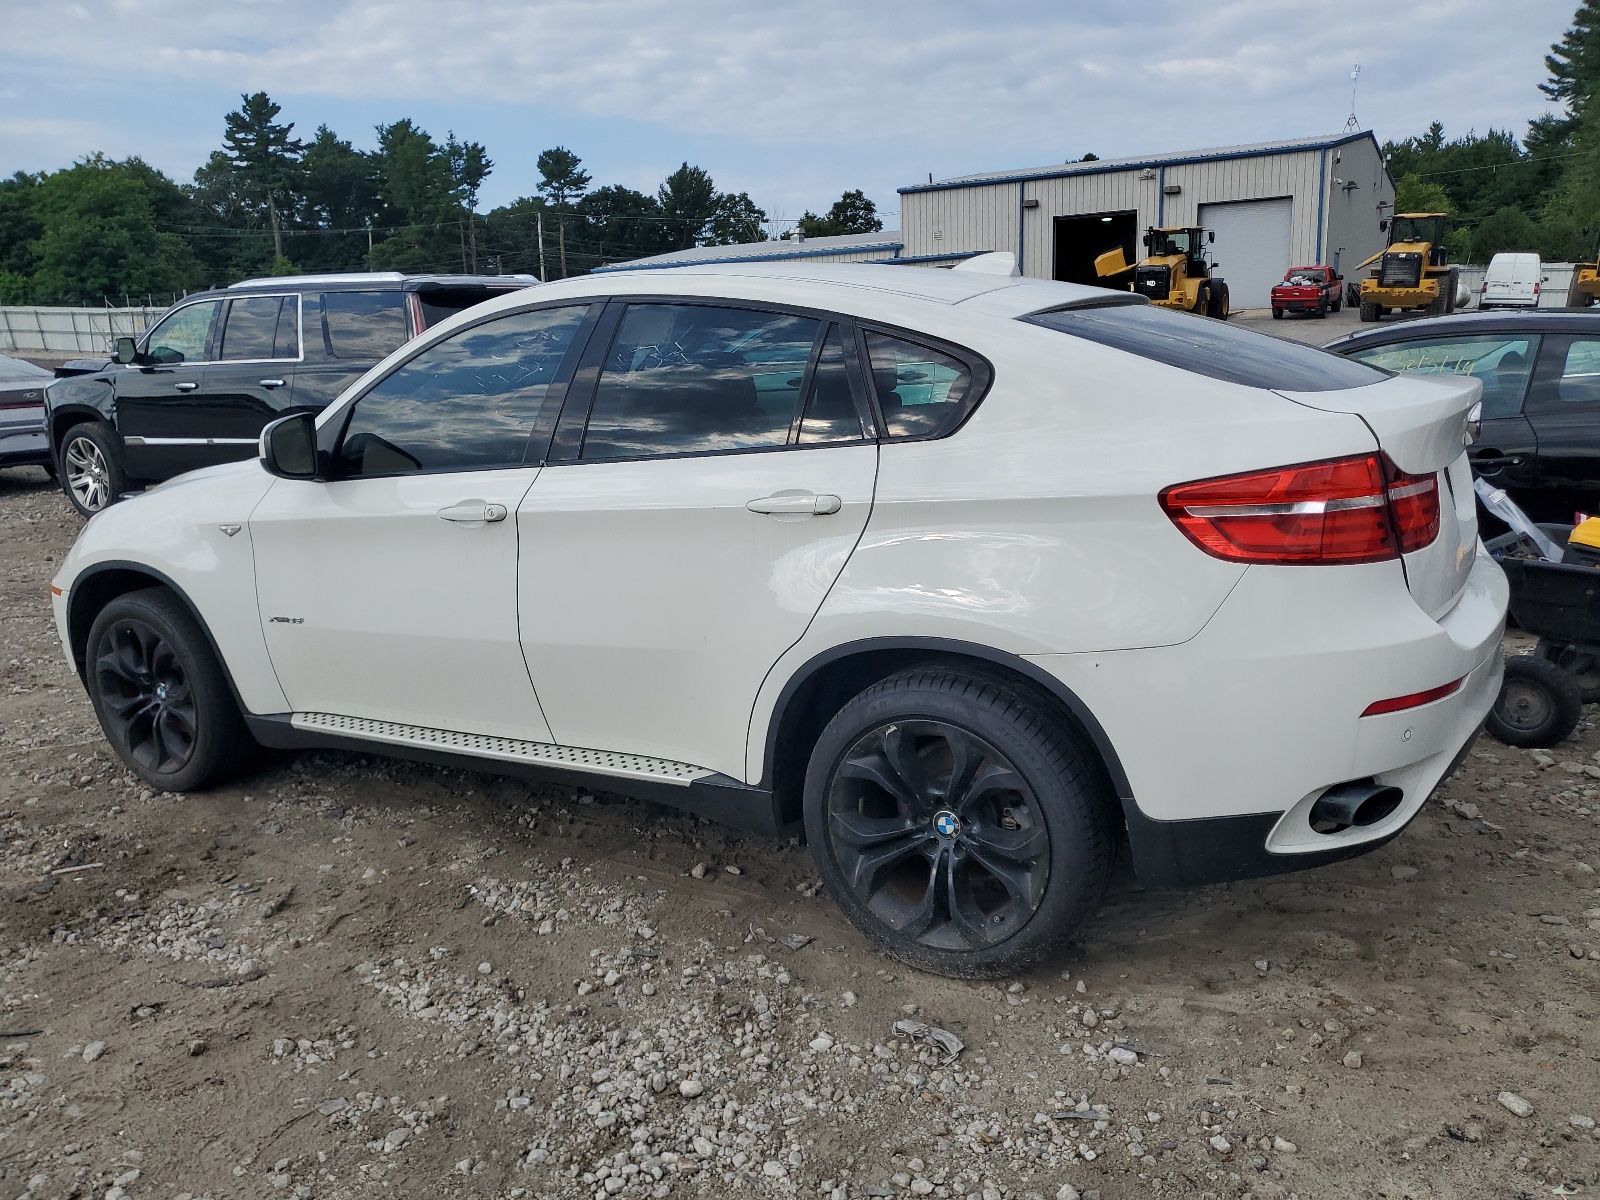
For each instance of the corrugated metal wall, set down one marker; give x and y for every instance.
(958, 219)
(1353, 212)
(985, 217)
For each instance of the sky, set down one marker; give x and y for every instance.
(791, 103)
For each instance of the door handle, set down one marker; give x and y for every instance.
(1495, 461)
(802, 503)
(271, 383)
(186, 387)
(474, 512)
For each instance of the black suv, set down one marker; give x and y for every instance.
(201, 383)
(1541, 396)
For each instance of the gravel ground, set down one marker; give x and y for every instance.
(349, 976)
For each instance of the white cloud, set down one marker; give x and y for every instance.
(887, 88)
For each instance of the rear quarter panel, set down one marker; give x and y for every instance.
(1035, 528)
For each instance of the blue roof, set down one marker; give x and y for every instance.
(1106, 165)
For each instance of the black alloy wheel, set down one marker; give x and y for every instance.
(145, 696)
(957, 822)
(161, 695)
(938, 835)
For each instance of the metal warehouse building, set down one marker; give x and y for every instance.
(1271, 206)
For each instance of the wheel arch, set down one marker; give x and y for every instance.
(64, 419)
(100, 584)
(825, 682)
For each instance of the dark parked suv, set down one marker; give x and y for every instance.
(201, 383)
(1540, 438)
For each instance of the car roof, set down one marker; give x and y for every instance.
(367, 280)
(1546, 320)
(1009, 295)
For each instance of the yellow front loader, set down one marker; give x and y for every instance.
(1411, 271)
(1174, 272)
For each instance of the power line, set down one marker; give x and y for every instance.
(1516, 162)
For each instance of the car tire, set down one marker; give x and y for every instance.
(1539, 704)
(1322, 311)
(161, 695)
(979, 884)
(1277, 314)
(1369, 312)
(92, 474)
(1202, 300)
(1338, 304)
(1582, 668)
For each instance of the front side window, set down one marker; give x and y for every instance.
(183, 336)
(364, 326)
(921, 391)
(467, 403)
(689, 378)
(1569, 375)
(1503, 363)
(261, 327)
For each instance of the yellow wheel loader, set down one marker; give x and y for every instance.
(1411, 271)
(1174, 272)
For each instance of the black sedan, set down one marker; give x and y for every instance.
(22, 440)
(1541, 396)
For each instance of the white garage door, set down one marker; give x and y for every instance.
(1252, 247)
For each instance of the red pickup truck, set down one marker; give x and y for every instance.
(1308, 289)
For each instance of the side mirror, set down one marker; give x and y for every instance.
(289, 447)
(1383, 226)
(1211, 235)
(126, 351)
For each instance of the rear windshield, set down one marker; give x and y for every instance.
(1212, 348)
(441, 302)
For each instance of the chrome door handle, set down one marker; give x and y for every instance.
(186, 387)
(271, 383)
(804, 503)
(474, 513)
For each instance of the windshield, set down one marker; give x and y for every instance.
(1212, 348)
(1417, 229)
(1169, 242)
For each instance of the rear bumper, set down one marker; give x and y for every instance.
(1298, 303)
(1229, 739)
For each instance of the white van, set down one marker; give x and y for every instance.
(1512, 281)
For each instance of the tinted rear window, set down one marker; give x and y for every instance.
(1212, 348)
(441, 302)
(364, 326)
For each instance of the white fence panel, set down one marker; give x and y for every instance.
(70, 330)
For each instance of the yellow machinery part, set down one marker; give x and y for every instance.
(1586, 534)
(1112, 262)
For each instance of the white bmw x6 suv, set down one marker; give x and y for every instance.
(971, 577)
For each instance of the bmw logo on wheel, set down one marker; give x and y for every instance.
(947, 824)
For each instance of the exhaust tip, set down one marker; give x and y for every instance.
(1358, 803)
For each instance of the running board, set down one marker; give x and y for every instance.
(572, 758)
(683, 786)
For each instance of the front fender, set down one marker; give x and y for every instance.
(178, 534)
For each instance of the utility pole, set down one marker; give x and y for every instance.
(561, 232)
(542, 278)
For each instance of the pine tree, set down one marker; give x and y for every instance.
(1574, 61)
(265, 157)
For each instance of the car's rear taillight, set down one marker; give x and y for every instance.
(1345, 510)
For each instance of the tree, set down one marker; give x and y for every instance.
(469, 166)
(420, 196)
(1413, 194)
(341, 189)
(100, 228)
(1574, 61)
(561, 176)
(735, 219)
(620, 223)
(688, 199)
(1508, 229)
(265, 156)
(851, 213)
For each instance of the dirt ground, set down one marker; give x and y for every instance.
(346, 976)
